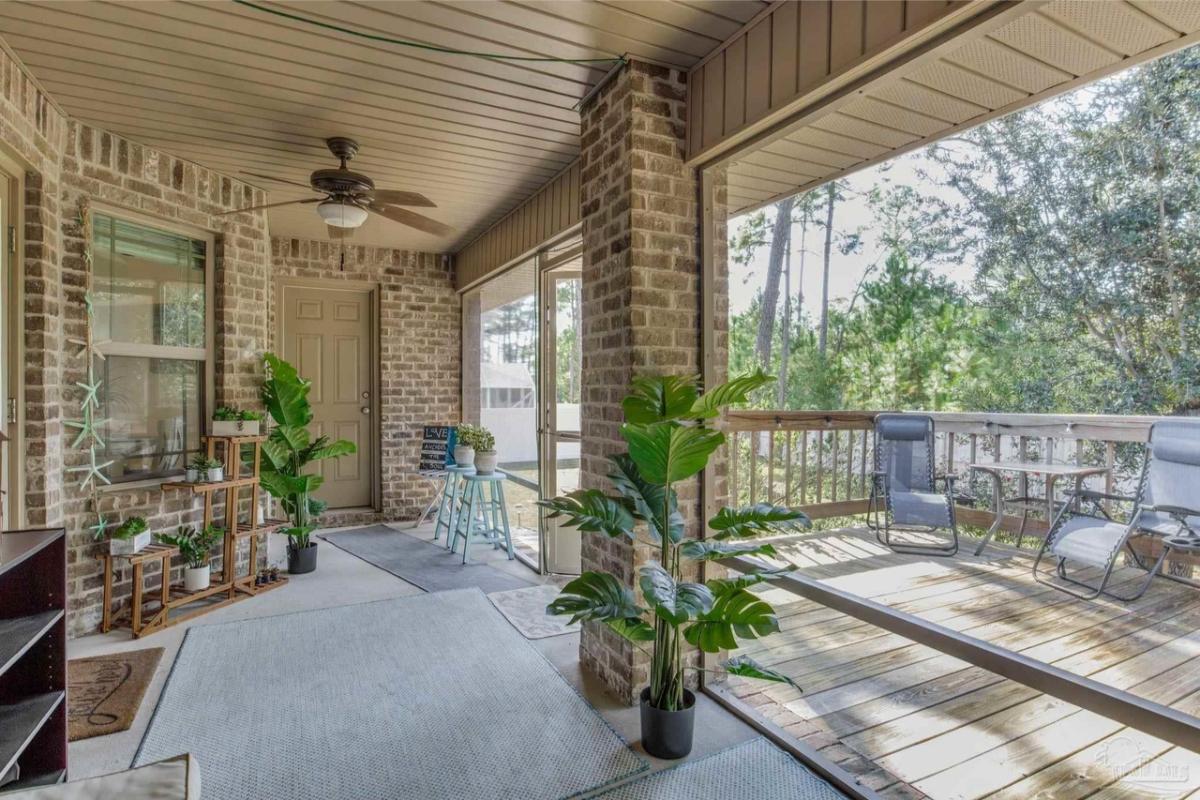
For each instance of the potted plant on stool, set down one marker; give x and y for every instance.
(485, 451)
(464, 449)
(668, 442)
(289, 449)
(211, 470)
(195, 547)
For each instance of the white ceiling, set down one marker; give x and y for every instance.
(1040, 50)
(235, 89)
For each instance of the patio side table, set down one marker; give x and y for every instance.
(1052, 473)
(436, 479)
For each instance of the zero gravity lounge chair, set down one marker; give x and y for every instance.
(904, 488)
(1166, 504)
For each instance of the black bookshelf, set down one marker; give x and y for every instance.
(33, 657)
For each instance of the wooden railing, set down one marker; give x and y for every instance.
(822, 461)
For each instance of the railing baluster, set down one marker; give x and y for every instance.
(833, 469)
(735, 487)
(787, 469)
(820, 463)
(804, 467)
(771, 467)
(849, 464)
(862, 475)
(755, 441)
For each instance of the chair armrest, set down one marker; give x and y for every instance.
(948, 477)
(1174, 511)
(1091, 494)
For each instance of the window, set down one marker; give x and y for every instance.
(152, 324)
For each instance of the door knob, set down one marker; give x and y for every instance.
(365, 409)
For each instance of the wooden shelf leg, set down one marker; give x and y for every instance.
(106, 624)
(136, 611)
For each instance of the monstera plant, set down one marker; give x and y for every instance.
(670, 439)
(289, 449)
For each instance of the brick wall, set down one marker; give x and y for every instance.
(65, 161)
(641, 293)
(419, 358)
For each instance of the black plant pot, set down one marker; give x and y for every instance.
(302, 559)
(668, 734)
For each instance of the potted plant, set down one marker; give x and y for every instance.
(485, 451)
(197, 469)
(464, 448)
(195, 547)
(669, 440)
(130, 537)
(289, 449)
(229, 421)
(211, 470)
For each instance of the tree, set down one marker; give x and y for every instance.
(781, 242)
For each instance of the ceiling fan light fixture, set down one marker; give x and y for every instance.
(342, 215)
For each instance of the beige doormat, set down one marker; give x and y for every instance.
(104, 692)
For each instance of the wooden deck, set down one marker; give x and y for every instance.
(913, 722)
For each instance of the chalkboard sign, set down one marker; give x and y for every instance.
(437, 447)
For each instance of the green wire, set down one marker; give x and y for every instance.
(420, 46)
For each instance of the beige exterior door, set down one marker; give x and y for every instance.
(328, 334)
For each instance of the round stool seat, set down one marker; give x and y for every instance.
(465, 469)
(486, 476)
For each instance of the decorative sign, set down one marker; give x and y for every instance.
(437, 447)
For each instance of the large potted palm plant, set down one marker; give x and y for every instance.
(289, 449)
(669, 440)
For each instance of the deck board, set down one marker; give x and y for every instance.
(914, 722)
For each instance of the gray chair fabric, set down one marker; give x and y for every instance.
(904, 461)
(1170, 477)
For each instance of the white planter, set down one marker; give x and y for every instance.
(215, 475)
(191, 475)
(235, 427)
(463, 455)
(485, 462)
(196, 579)
(127, 547)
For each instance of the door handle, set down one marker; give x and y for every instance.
(365, 409)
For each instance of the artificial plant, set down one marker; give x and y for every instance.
(130, 528)
(194, 545)
(669, 440)
(290, 448)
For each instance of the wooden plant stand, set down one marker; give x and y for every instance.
(231, 587)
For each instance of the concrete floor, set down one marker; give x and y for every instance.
(342, 579)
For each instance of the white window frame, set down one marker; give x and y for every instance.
(205, 354)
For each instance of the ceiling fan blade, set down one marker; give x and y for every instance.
(273, 205)
(411, 219)
(339, 234)
(277, 180)
(394, 197)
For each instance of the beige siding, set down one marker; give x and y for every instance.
(795, 47)
(550, 212)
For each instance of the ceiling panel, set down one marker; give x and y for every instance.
(1049, 48)
(237, 90)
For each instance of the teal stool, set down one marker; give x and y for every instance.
(483, 517)
(453, 494)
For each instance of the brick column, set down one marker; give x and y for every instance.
(641, 301)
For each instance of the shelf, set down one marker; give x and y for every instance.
(20, 722)
(266, 526)
(201, 488)
(34, 781)
(262, 437)
(17, 635)
(17, 546)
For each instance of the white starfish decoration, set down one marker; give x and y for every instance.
(86, 427)
(100, 526)
(91, 390)
(92, 470)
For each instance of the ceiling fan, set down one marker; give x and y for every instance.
(348, 197)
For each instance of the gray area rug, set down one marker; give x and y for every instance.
(756, 769)
(429, 566)
(431, 696)
(526, 610)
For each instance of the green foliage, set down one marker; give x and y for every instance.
(194, 545)
(1076, 220)
(290, 448)
(129, 528)
(231, 414)
(669, 441)
(476, 437)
